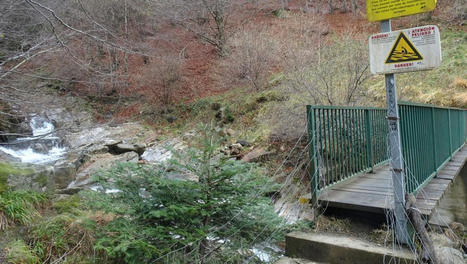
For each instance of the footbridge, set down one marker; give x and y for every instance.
(349, 155)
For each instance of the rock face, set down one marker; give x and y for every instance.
(162, 152)
(447, 255)
(43, 178)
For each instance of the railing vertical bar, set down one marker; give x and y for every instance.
(368, 140)
(336, 136)
(333, 146)
(312, 154)
(428, 167)
(358, 141)
(347, 144)
(433, 135)
(328, 165)
(319, 153)
(460, 128)
(350, 141)
(340, 150)
(353, 137)
(414, 137)
(410, 142)
(362, 140)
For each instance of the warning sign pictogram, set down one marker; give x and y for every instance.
(403, 51)
(412, 49)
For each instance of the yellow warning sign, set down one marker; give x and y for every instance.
(403, 51)
(386, 9)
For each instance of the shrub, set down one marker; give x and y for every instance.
(254, 54)
(222, 212)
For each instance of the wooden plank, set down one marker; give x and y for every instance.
(373, 191)
(367, 187)
(447, 172)
(450, 168)
(378, 192)
(441, 181)
(378, 177)
(446, 176)
(346, 198)
(430, 195)
(437, 185)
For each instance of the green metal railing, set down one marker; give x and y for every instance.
(430, 135)
(345, 141)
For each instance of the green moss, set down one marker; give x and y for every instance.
(42, 179)
(19, 253)
(7, 170)
(71, 204)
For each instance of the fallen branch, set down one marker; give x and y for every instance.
(428, 252)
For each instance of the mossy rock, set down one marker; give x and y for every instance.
(7, 170)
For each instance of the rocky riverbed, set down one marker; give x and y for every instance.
(63, 150)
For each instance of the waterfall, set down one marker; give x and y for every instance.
(42, 148)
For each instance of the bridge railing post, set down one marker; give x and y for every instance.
(369, 134)
(451, 149)
(433, 135)
(314, 172)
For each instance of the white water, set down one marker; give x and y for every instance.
(40, 127)
(28, 155)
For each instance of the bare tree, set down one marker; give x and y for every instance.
(254, 54)
(161, 79)
(84, 43)
(332, 73)
(210, 20)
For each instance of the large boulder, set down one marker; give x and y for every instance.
(448, 255)
(121, 148)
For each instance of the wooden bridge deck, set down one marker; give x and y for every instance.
(373, 192)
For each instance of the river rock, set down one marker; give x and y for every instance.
(156, 154)
(244, 143)
(161, 152)
(447, 255)
(64, 174)
(7, 158)
(129, 157)
(440, 240)
(97, 163)
(256, 155)
(40, 148)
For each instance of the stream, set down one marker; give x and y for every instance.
(43, 147)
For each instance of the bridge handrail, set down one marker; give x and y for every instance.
(346, 141)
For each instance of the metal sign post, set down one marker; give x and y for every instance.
(397, 165)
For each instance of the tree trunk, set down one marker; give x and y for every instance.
(427, 255)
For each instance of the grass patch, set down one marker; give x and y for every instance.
(19, 207)
(244, 112)
(19, 253)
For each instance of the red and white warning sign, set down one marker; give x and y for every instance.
(412, 49)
